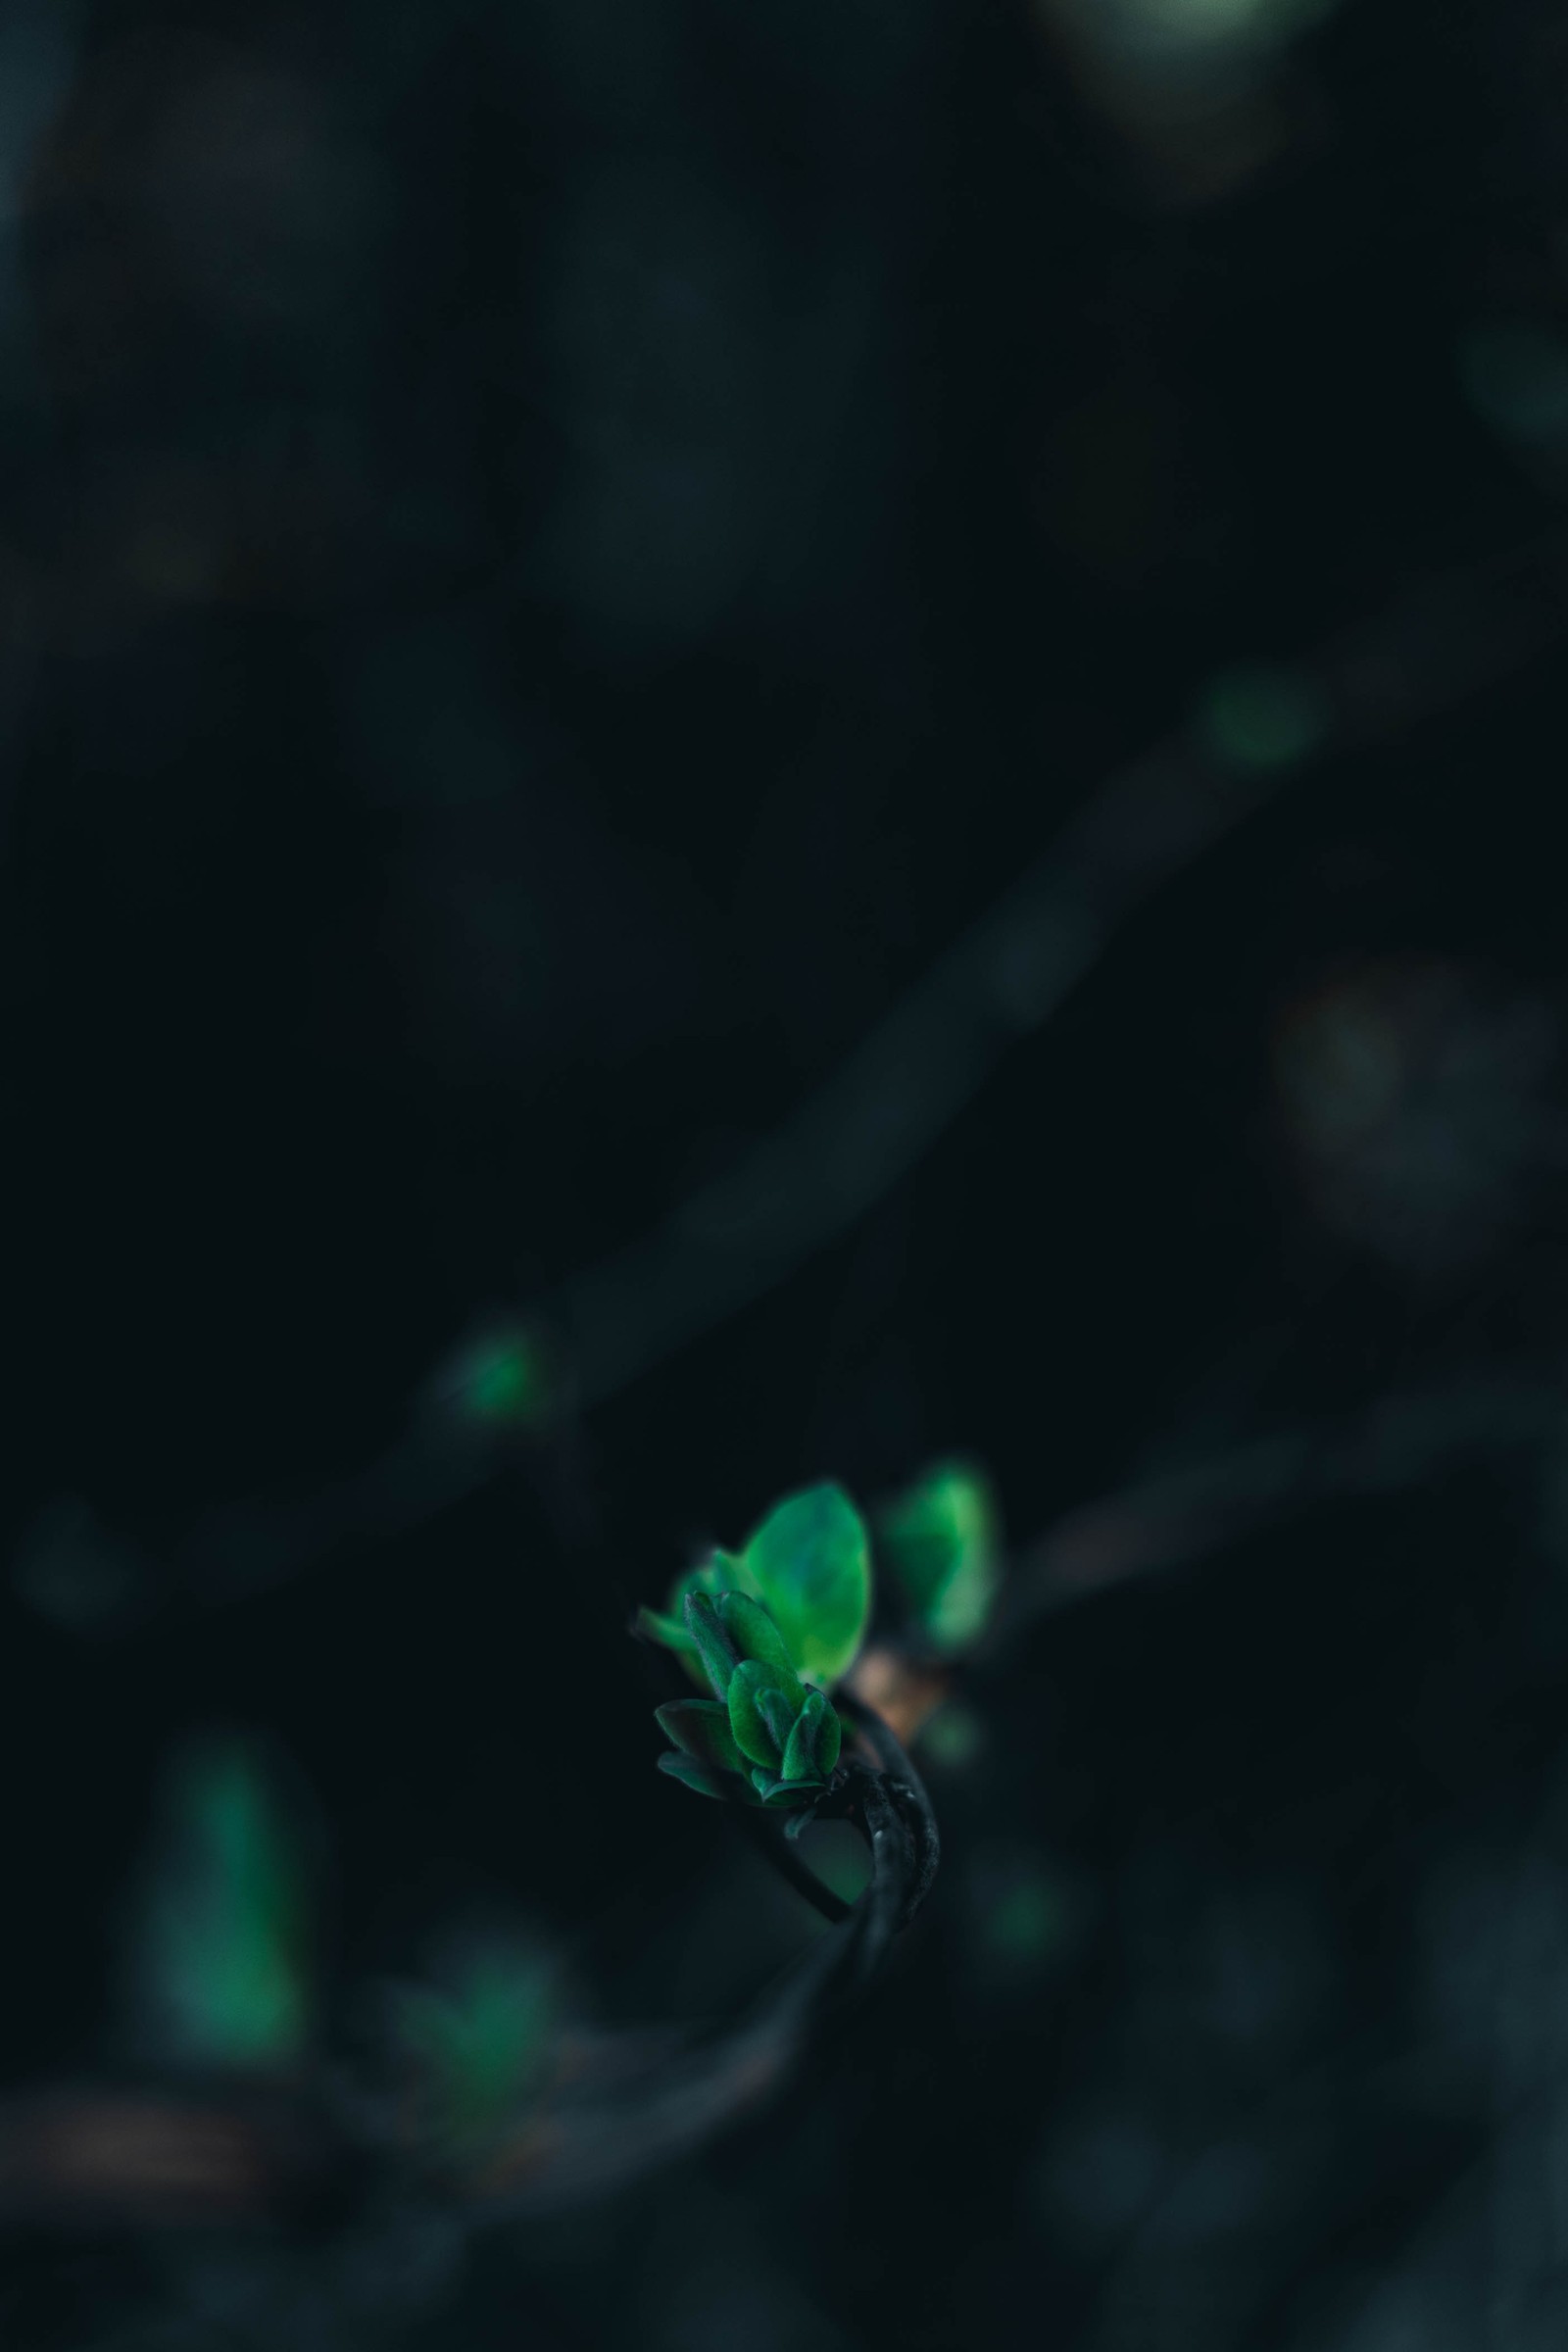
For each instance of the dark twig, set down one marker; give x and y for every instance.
(782, 1857)
(146, 2157)
(843, 1148)
(909, 1793)
(1161, 1522)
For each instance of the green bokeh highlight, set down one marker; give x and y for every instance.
(952, 1737)
(480, 2040)
(504, 1383)
(1262, 717)
(224, 1927)
(940, 1542)
(1171, 36)
(1028, 1913)
(1515, 374)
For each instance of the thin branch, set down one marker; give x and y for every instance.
(148, 2157)
(869, 1125)
(1163, 1522)
(782, 1857)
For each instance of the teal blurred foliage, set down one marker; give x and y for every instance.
(1515, 372)
(477, 2039)
(940, 1544)
(223, 1949)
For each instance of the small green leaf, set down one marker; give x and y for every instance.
(720, 1573)
(701, 1727)
(800, 1749)
(746, 1720)
(716, 1649)
(504, 1380)
(778, 1789)
(700, 1777)
(941, 1542)
(812, 1568)
(791, 1793)
(777, 1714)
(668, 1631)
(755, 1635)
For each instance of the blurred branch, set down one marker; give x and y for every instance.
(1391, 1445)
(762, 1832)
(868, 1126)
(622, 2112)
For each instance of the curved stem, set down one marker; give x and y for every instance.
(768, 1842)
(617, 2120)
(908, 1792)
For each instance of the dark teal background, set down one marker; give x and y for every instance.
(554, 558)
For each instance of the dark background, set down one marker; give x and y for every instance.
(556, 555)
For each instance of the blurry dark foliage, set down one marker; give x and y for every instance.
(555, 555)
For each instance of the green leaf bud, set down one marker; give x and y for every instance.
(718, 1651)
(809, 1740)
(778, 1715)
(755, 1635)
(940, 1542)
(701, 1727)
(667, 1630)
(791, 1793)
(747, 1719)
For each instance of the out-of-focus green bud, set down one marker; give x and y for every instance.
(481, 2039)
(940, 1544)
(503, 1379)
(669, 1631)
(223, 1936)
(813, 1747)
(722, 1572)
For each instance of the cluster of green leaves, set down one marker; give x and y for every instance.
(809, 1566)
(772, 1627)
(766, 1736)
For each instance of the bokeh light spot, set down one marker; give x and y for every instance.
(1515, 373)
(1262, 717)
